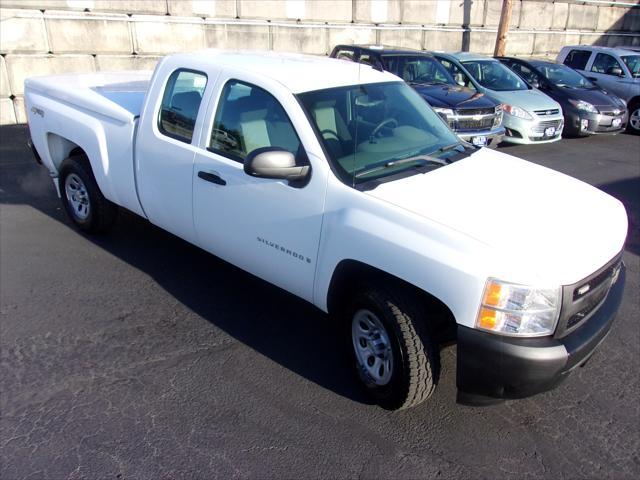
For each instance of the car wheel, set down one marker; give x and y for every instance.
(82, 199)
(634, 118)
(394, 356)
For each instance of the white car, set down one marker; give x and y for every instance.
(616, 70)
(339, 184)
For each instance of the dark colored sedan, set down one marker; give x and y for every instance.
(587, 108)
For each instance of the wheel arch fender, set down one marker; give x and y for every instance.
(349, 274)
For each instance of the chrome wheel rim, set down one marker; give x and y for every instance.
(372, 347)
(77, 196)
(634, 119)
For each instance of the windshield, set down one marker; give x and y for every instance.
(363, 127)
(418, 69)
(633, 64)
(494, 75)
(563, 76)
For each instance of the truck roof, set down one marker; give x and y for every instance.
(387, 49)
(297, 72)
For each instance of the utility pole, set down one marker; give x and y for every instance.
(503, 28)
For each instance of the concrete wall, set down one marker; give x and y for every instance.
(39, 37)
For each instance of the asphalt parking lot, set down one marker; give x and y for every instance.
(135, 355)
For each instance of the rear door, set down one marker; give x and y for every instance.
(166, 145)
(267, 227)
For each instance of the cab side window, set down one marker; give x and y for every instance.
(180, 104)
(605, 64)
(458, 75)
(577, 59)
(248, 118)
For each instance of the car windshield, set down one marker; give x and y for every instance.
(377, 130)
(418, 69)
(563, 76)
(633, 64)
(494, 75)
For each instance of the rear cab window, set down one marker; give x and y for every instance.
(577, 59)
(345, 54)
(180, 104)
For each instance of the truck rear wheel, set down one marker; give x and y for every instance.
(394, 356)
(82, 199)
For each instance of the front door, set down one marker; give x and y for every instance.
(267, 227)
(603, 70)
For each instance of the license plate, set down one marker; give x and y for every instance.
(549, 132)
(616, 122)
(479, 141)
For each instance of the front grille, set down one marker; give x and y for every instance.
(551, 111)
(469, 124)
(464, 121)
(475, 111)
(583, 298)
(542, 126)
(613, 114)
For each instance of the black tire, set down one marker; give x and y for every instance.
(101, 213)
(416, 357)
(633, 108)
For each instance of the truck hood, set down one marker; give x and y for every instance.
(453, 96)
(529, 100)
(543, 225)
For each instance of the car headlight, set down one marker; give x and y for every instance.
(582, 105)
(518, 310)
(516, 111)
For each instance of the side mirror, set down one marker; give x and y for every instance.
(535, 84)
(274, 162)
(615, 71)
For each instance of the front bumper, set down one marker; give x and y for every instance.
(596, 123)
(494, 367)
(493, 137)
(524, 131)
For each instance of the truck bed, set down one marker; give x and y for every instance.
(118, 95)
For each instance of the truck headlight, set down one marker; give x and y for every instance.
(445, 113)
(516, 111)
(582, 105)
(497, 121)
(518, 310)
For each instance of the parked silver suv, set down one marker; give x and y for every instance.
(614, 69)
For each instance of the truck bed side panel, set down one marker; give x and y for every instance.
(107, 141)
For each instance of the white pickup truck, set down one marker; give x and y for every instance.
(339, 184)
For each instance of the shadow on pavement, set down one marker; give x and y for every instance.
(628, 192)
(276, 324)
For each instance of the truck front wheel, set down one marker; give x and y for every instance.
(82, 199)
(394, 355)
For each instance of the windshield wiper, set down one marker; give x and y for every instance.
(420, 160)
(446, 148)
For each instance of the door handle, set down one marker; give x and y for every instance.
(212, 177)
